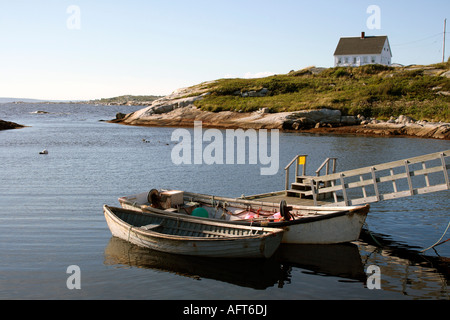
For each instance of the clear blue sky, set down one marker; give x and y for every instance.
(155, 46)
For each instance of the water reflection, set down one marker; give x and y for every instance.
(342, 261)
(403, 269)
(253, 273)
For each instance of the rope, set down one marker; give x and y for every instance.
(439, 241)
(129, 230)
(372, 236)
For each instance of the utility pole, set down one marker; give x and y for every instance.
(443, 49)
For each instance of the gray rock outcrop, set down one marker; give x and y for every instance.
(178, 109)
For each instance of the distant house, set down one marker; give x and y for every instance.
(359, 51)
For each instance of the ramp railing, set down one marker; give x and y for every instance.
(397, 179)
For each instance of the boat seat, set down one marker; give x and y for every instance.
(151, 226)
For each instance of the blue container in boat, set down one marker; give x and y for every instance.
(200, 212)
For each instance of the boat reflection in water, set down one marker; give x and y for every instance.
(254, 273)
(340, 260)
(404, 270)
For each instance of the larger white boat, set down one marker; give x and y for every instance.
(302, 224)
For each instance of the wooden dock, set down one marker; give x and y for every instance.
(277, 197)
(392, 180)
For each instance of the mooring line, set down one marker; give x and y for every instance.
(439, 241)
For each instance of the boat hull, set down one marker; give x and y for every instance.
(338, 229)
(258, 246)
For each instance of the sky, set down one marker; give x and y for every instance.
(92, 49)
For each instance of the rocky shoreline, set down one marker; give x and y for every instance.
(178, 110)
(6, 125)
(432, 131)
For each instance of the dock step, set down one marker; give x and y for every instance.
(298, 193)
(303, 185)
(302, 189)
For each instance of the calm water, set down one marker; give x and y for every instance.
(51, 217)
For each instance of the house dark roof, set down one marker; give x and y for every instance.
(360, 45)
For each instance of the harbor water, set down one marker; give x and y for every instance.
(51, 216)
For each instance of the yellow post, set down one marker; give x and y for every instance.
(302, 161)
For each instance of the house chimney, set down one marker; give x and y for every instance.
(363, 35)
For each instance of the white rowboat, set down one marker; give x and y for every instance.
(189, 236)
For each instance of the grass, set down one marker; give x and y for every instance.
(125, 99)
(372, 90)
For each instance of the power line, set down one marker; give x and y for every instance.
(419, 40)
(443, 46)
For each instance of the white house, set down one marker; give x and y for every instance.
(359, 51)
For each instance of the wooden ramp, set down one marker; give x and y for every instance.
(397, 179)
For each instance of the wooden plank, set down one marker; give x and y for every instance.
(444, 169)
(396, 195)
(361, 179)
(427, 180)
(150, 226)
(344, 191)
(435, 188)
(408, 177)
(314, 192)
(192, 231)
(375, 185)
(394, 182)
(286, 187)
(333, 184)
(334, 188)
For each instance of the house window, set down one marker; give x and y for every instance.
(340, 60)
(346, 60)
(373, 59)
(365, 60)
(354, 60)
